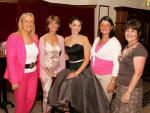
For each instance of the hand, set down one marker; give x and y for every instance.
(125, 97)
(15, 86)
(110, 87)
(51, 74)
(72, 75)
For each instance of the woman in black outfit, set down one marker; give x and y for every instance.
(77, 85)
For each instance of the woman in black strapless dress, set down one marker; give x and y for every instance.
(77, 85)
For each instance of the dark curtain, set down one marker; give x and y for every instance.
(10, 13)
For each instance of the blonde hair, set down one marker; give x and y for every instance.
(20, 27)
(52, 18)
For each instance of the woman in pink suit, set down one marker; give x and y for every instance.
(23, 63)
(52, 57)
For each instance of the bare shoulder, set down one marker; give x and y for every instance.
(67, 39)
(84, 38)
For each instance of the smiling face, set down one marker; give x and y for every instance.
(53, 23)
(105, 27)
(27, 23)
(75, 26)
(132, 31)
(53, 26)
(131, 35)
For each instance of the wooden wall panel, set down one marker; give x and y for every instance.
(123, 14)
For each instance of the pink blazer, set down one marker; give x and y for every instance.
(16, 57)
(62, 60)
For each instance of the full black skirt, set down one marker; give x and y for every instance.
(84, 92)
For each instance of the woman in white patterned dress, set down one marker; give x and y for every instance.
(52, 57)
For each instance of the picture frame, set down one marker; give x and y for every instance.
(103, 11)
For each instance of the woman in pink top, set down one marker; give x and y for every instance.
(52, 57)
(104, 56)
(23, 63)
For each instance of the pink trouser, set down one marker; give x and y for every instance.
(25, 95)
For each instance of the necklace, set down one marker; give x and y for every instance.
(127, 50)
(132, 45)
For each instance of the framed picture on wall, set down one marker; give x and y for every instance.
(103, 11)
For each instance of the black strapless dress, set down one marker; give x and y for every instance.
(84, 92)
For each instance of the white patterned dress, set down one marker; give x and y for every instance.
(52, 62)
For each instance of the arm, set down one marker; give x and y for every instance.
(115, 53)
(87, 48)
(139, 63)
(63, 54)
(38, 58)
(65, 43)
(41, 46)
(116, 50)
(96, 40)
(11, 61)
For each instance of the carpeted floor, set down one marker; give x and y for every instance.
(38, 109)
(146, 98)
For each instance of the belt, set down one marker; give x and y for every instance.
(76, 61)
(30, 65)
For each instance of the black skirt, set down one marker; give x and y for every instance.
(84, 92)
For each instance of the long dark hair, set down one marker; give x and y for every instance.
(108, 19)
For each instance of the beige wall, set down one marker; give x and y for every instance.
(9, 1)
(115, 3)
(129, 3)
(111, 3)
(74, 2)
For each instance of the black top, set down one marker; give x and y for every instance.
(84, 93)
(75, 53)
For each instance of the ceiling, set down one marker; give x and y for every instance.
(21, 1)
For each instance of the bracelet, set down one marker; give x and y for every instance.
(129, 91)
(113, 81)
